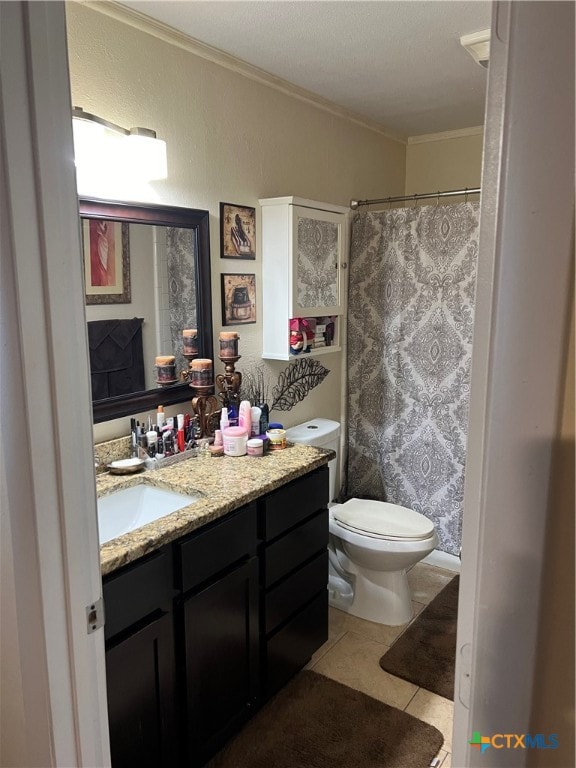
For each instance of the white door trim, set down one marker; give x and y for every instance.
(48, 469)
(522, 305)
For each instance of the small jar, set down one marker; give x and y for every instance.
(277, 439)
(255, 447)
(165, 369)
(228, 344)
(190, 341)
(234, 439)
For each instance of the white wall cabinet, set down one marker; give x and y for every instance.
(304, 246)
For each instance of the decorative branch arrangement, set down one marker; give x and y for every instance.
(296, 381)
(255, 386)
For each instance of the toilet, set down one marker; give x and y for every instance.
(372, 543)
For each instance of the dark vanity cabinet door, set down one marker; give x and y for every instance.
(294, 618)
(219, 622)
(140, 663)
(141, 698)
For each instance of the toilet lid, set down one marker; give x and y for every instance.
(379, 518)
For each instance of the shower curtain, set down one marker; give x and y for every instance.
(411, 311)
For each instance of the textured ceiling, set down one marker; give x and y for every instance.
(397, 63)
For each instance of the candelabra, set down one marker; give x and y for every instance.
(204, 402)
(229, 382)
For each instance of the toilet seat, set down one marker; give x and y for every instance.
(381, 520)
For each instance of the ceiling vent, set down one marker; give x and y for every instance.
(478, 46)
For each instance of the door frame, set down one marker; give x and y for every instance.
(52, 666)
(523, 298)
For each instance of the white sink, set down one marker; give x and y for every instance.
(130, 508)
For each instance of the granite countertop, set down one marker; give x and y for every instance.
(224, 484)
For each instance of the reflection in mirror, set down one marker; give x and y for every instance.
(147, 274)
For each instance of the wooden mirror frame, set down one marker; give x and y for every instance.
(167, 216)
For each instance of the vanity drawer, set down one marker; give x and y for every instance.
(216, 548)
(137, 590)
(294, 502)
(295, 591)
(287, 553)
(292, 647)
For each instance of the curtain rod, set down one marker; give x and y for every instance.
(354, 204)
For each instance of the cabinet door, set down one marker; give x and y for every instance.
(140, 674)
(317, 247)
(221, 659)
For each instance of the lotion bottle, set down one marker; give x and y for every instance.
(245, 416)
(224, 423)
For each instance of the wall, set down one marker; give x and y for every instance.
(230, 139)
(442, 161)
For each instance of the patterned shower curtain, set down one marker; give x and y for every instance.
(411, 310)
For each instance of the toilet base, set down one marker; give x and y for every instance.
(381, 596)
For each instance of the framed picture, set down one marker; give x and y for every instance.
(238, 299)
(106, 261)
(237, 231)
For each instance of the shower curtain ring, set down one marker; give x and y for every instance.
(438, 197)
(465, 194)
(414, 202)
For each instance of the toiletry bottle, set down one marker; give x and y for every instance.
(168, 442)
(152, 440)
(264, 418)
(255, 414)
(133, 438)
(224, 423)
(232, 414)
(245, 416)
(160, 418)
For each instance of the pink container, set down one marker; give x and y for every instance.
(234, 439)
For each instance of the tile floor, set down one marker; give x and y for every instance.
(354, 648)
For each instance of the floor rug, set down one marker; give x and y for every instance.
(316, 722)
(425, 653)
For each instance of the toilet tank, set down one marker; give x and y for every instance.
(320, 433)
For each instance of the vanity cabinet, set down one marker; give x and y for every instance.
(294, 618)
(140, 662)
(304, 243)
(201, 632)
(219, 643)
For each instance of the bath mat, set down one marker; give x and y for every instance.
(425, 653)
(316, 722)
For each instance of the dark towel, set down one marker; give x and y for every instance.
(116, 357)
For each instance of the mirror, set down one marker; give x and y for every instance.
(147, 278)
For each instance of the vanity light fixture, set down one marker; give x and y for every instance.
(478, 46)
(134, 151)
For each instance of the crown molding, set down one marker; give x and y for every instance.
(172, 36)
(446, 135)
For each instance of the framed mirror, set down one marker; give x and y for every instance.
(147, 278)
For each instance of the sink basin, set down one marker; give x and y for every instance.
(131, 508)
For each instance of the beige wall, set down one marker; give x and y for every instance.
(229, 139)
(438, 164)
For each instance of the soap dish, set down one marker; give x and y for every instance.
(126, 466)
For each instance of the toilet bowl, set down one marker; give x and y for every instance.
(372, 543)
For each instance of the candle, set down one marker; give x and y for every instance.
(228, 344)
(165, 369)
(201, 372)
(190, 341)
